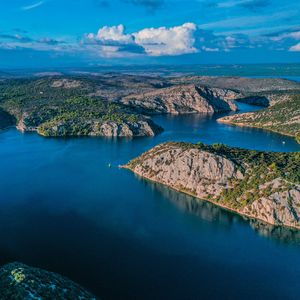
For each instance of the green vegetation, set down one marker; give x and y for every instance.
(48, 103)
(282, 117)
(6, 119)
(259, 168)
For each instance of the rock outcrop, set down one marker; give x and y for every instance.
(183, 99)
(279, 208)
(140, 128)
(85, 127)
(19, 281)
(66, 83)
(224, 178)
(199, 172)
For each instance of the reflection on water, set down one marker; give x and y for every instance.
(203, 209)
(220, 216)
(282, 234)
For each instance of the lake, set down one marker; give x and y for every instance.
(63, 209)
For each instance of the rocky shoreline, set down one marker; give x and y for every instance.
(226, 120)
(225, 178)
(282, 117)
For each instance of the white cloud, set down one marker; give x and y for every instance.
(167, 41)
(207, 49)
(112, 34)
(293, 35)
(34, 5)
(295, 48)
(160, 41)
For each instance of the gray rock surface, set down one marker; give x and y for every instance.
(143, 127)
(107, 128)
(280, 208)
(183, 99)
(199, 172)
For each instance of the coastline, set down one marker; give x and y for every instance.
(223, 121)
(225, 207)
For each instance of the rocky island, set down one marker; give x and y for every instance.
(255, 184)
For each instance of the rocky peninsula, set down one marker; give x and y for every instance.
(283, 116)
(255, 184)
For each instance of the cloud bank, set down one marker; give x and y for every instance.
(186, 39)
(160, 41)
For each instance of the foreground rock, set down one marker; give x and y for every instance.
(20, 282)
(260, 185)
(183, 99)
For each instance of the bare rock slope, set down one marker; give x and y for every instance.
(183, 99)
(248, 182)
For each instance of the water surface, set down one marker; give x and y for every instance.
(63, 209)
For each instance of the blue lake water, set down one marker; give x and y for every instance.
(63, 209)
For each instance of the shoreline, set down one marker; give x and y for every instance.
(227, 122)
(225, 207)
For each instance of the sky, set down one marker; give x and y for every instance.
(45, 33)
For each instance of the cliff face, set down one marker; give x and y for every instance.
(183, 99)
(280, 208)
(19, 281)
(207, 175)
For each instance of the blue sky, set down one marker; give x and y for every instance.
(90, 32)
